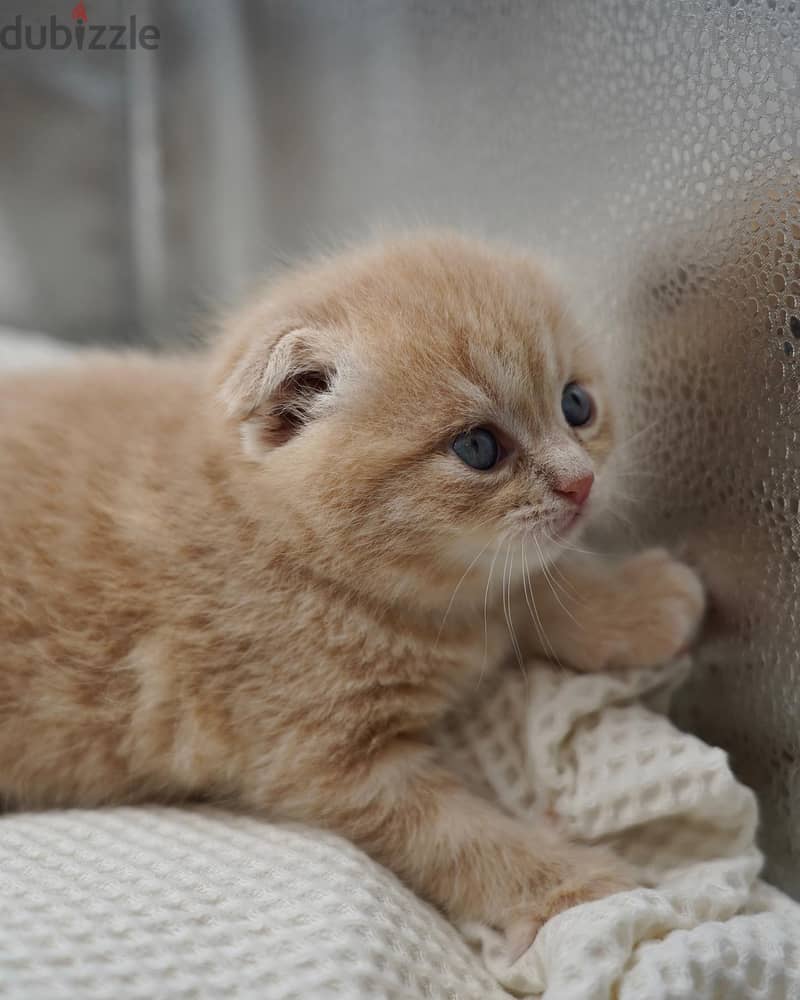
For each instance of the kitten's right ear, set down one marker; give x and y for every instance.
(278, 386)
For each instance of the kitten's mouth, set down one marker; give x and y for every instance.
(557, 526)
(564, 524)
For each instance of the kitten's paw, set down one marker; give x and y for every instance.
(581, 888)
(662, 607)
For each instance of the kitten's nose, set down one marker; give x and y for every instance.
(576, 490)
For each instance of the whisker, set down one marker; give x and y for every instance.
(629, 525)
(617, 493)
(453, 597)
(486, 614)
(507, 569)
(527, 587)
(560, 579)
(568, 547)
(532, 609)
(549, 582)
(637, 435)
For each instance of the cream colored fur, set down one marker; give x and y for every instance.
(258, 574)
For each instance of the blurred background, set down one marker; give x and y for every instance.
(652, 147)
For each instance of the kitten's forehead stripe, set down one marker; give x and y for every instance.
(520, 373)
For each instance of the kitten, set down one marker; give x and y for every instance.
(259, 574)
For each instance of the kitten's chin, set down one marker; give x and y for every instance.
(556, 527)
(567, 524)
(561, 530)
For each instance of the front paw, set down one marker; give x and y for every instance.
(661, 605)
(580, 888)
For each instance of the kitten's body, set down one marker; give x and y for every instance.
(271, 607)
(149, 623)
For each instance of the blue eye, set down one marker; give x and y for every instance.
(477, 448)
(577, 405)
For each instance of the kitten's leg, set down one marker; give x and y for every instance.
(457, 850)
(596, 615)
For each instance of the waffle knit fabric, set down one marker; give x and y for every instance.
(163, 903)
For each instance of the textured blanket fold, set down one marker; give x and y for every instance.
(168, 903)
(617, 771)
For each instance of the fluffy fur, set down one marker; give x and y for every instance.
(259, 574)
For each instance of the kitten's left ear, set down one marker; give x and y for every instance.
(279, 385)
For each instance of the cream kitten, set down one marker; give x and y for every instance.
(260, 574)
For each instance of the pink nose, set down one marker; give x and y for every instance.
(576, 490)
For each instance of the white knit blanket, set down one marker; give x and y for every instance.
(173, 904)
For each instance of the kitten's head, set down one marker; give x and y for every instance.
(420, 402)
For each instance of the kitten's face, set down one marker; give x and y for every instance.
(432, 401)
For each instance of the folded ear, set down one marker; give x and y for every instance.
(278, 386)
